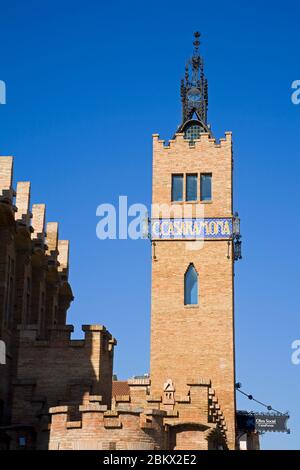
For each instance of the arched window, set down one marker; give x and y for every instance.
(191, 286)
(193, 132)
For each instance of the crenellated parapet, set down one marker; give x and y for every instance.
(38, 235)
(23, 214)
(52, 243)
(34, 288)
(96, 427)
(34, 292)
(205, 141)
(182, 157)
(63, 370)
(7, 192)
(164, 421)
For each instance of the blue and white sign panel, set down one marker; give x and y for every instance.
(192, 229)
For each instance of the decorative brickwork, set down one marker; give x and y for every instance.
(58, 393)
(44, 366)
(141, 421)
(194, 341)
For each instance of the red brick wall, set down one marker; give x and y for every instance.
(103, 430)
(61, 370)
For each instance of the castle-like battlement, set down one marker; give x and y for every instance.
(180, 141)
(61, 336)
(141, 420)
(50, 368)
(96, 427)
(203, 156)
(109, 418)
(200, 396)
(6, 174)
(63, 369)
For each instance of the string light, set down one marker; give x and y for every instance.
(269, 407)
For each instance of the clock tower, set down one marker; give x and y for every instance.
(193, 253)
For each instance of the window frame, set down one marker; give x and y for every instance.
(186, 187)
(173, 175)
(185, 295)
(211, 187)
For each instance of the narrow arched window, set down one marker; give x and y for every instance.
(191, 286)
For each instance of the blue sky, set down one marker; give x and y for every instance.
(88, 82)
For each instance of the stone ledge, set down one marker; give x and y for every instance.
(73, 424)
(155, 413)
(183, 421)
(95, 398)
(183, 399)
(111, 343)
(129, 409)
(122, 398)
(112, 425)
(139, 382)
(204, 382)
(172, 414)
(154, 398)
(58, 410)
(92, 407)
(111, 414)
(93, 328)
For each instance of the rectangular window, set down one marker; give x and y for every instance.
(191, 187)
(22, 441)
(177, 188)
(206, 193)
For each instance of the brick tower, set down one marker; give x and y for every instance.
(193, 254)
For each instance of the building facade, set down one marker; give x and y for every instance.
(58, 393)
(192, 329)
(42, 366)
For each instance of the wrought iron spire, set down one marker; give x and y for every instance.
(194, 90)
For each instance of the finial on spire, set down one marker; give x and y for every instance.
(197, 41)
(194, 92)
